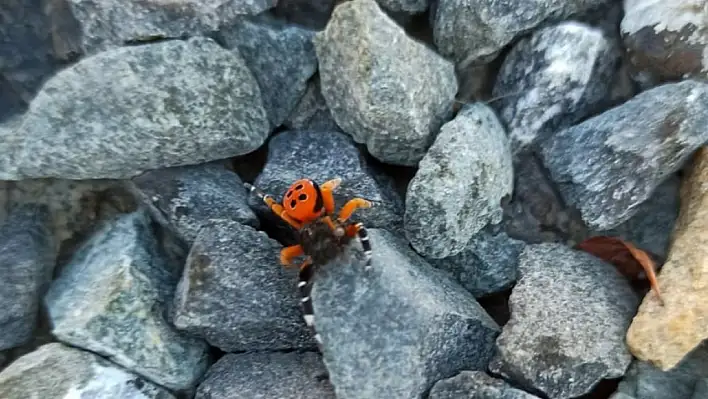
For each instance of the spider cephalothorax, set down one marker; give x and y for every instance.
(309, 208)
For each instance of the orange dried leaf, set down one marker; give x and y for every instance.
(628, 259)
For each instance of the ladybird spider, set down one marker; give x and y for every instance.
(309, 208)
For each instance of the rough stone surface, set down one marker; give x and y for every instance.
(376, 81)
(312, 113)
(101, 24)
(235, 293)
(281, 57)
(58, 371)
(644, 381)
(608, 165)
(165, 104)
(403, 325)
(292, 375)
(663, 334)
(459, 184)
(404, 6)
(665, 40)
(569, 314)
(474, 31)
(476, 385)
(27, 254)
(185, 197)
(487, 265)
(554, 78)
(322, 156)
(112, 298)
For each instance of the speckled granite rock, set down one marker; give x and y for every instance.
(609, 164)
(175, 103)
(459, 184)
(476, 385)
(367, 83)
(112, 299)
(58, 371)
(312, 113)
(569, 315)
(292, 375)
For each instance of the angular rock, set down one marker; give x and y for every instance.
(183, 198)
(292, 375)
(569, 314)
(663, 334)
(665, 41)
(459, 184)
(101, 24)
(487, 265)
(368, 83)
(58, 371)
(312, 113)
(608, 165)
(281, 57)
(27, 255)
(644, 381)
(701, 389)
(473, 31)
(322, 156)
(554, 78)
(403, 326)
(235, 293)
(476, 385)
(111, 299)
(165, 104)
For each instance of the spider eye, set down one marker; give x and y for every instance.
(302, 197)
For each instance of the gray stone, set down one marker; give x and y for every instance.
(570, 312)
(405, 6)
(377, 83)
(322, 156)
(101, 24)
(27, 254)
(185, 197)
(281, 57)
(459, 184)
(487, 265)
(58, 371)
(552, 79)
(474, 31)
(292, 375)
(165, 104)
(312, 113)
(476, 385)
(644, 381)
(112, 299)
(402, 326)
(235, 293)
(608, 165)
(701, 389)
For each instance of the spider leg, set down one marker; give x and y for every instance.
(304, 283)
(273, 205)
(349, 208)
(362, 234)
(327, 197)
(288, 253)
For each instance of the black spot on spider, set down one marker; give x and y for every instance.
(302, 197)
(289, 194)
(293, 203)
(298, 187)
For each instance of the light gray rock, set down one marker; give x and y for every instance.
(292, 375)
(552, 79)
(377, 83)
(165, 104)
(474, 31)
(402, 325)
(459, 184)
(183, 198)
(112, 299)
(570, 312)
(487, 265)
(58, 371)
(608, 165)
(100, 24)
(281, 57)
(235, 293)
(322, 156)
(312, 113)
(476, 385)
(27, 255)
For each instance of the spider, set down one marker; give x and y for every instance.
(309, 208)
